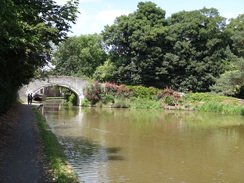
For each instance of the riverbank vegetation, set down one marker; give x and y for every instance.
(61, 170)
(139, 97)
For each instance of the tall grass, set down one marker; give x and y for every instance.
(225, 108)
(138, 103)
(61, 170)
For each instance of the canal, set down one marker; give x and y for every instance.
(125, 145)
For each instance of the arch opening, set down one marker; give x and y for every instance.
(64, 94)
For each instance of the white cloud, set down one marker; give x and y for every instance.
(62, 2)
(109, 16)
(232, 14)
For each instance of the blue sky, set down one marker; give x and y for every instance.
(95, 14)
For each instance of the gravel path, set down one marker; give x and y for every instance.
(21, 156)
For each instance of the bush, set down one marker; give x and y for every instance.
(143, 92)
(171, 97)
(93, 92)
(130, 91)
(73, 99)
(107, 99)
(86, 103)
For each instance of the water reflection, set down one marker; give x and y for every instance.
(124, 145)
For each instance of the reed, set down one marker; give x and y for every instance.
(225, 108)
(138, 103)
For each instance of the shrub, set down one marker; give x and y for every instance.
(171, 97)
(143, 92)
(107, 99)
(73, 99)
(93, 92)
(86, 103)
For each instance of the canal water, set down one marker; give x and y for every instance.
(123, 145)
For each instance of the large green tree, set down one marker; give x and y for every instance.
(79, 56)
(232, 81)
(137, 44)
(27, 29)
(183, 52)
(198, 49)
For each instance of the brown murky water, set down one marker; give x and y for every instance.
(124, 145)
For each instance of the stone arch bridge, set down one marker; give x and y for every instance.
(74, 84)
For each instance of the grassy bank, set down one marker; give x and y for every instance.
(61, 169)
(139, 97)
(224, 108)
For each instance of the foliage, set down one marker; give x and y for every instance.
(85, 102)
(152, 98)
(120, 102)
(140, 103)
(135, 45)
(93, 92)
(198, 43)
(224, 108)
(106, 99)
(60, 168)
(128, 91)
(232, 81)
(184, 52)
(27, 30)
(72, 99)
(105, 72)
(120, 95)
(171, 97)
(206, 97)
(79, 56)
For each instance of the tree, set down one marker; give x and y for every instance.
(232, 81)
(79, 56)
(137, 44)
(183, 52)
(27, 29)
(198, 45)
(105, 72)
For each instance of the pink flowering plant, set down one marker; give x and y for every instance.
(111, 91)
(117, 90)
(171, 97)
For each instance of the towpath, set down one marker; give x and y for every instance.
(21, 156)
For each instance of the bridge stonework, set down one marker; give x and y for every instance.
(75, 84)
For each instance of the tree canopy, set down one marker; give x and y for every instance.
(184, 52)
(232, 81)
(79, 56)
(137, 44)
(28, 27)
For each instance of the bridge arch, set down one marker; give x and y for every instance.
(74, 84)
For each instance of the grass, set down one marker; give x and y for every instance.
(138, 103)
(55, 98)
(60, 167)
(225, 108)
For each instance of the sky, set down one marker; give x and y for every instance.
(95, 14)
